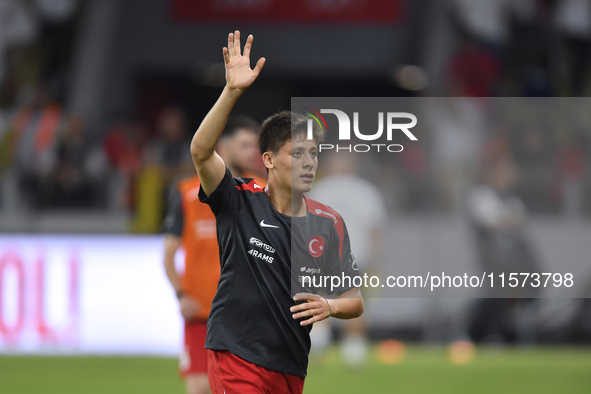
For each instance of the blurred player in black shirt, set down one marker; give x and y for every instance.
(258, 328)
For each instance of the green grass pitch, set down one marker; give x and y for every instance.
(423, 370)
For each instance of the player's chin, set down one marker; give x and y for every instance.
(302, 187)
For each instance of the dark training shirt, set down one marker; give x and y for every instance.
(262, 264)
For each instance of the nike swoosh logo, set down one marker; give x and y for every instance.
(267, 225)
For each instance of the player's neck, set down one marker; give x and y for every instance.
(284, 202)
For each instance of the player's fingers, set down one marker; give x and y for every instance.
(260, 65)
(231, 44)
(237, 49)
(312, 320)
(300, 307)
(305, 296)
(306, 313)
(226, 55)
(248, 45)
(309, 312)
(314, 305)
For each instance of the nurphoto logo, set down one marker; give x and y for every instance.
(394, 122)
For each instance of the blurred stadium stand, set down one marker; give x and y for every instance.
(96, 98)
(92, 77)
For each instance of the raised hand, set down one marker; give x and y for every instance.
(239, 75)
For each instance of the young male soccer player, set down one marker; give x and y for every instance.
(258, 330)
(191, 224)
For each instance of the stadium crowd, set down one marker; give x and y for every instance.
(59, 160)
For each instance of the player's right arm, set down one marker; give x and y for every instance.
(239, 76)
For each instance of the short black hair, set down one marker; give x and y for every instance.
(282, 127)
(237, 122)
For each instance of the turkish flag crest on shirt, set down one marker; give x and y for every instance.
(316, 246)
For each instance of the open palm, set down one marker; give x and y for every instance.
(239, 75)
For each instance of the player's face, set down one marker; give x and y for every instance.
(304, 162)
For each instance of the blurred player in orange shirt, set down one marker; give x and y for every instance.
(191, 225)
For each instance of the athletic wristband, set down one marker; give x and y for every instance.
(329, 307)
(179, 294)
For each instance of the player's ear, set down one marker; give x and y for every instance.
(268, 160)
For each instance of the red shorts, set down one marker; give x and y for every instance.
(194, 357)
(229, 374)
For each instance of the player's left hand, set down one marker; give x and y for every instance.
(315, 306)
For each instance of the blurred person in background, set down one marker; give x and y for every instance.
(531, 51)
(18, 31)
(488, 21)
(573, 170)
(484, 20)
(573, 23)
(191, 225)
(535, 155)
(419, 188)
(170, 147)
(80, 168)
(57, 20)
(456, 129)
(34, 139)
(473, 71)
(239, 144)
(345, 191)
(165, 159)
(124, 145)
(498, 218)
